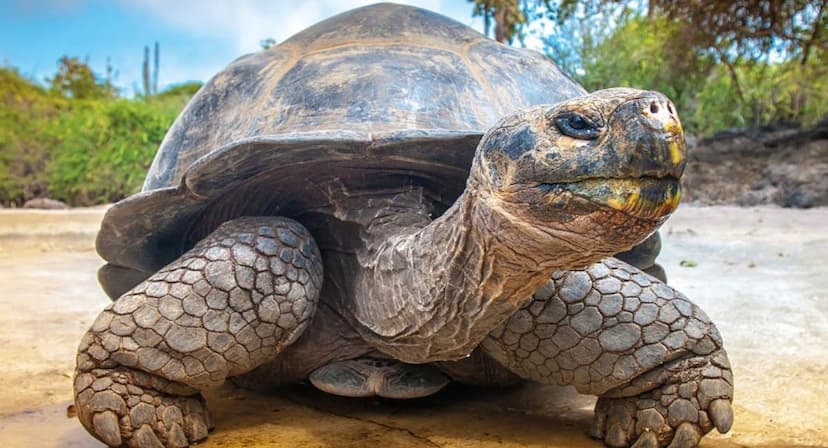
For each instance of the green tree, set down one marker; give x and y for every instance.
(645, 53)
(75, 79)
(726, 63)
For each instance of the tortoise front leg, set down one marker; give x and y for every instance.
(654, 358)
(230, 304)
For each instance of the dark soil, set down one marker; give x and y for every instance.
(774, 165)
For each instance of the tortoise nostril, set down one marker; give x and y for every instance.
(654, 107)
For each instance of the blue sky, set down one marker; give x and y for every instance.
(197, 37)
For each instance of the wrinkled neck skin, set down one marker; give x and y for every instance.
(433, 292)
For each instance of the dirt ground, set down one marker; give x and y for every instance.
(760, 274)
(759, 166)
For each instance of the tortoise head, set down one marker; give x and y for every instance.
(602, 168)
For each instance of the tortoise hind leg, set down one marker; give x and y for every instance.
(368, 377)
(230, 304)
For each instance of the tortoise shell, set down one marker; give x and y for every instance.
(384, 92)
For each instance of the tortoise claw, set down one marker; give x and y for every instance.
(647, 439)
(106, 426)
(687, 436)
(721, 414)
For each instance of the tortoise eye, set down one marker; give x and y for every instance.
(577, 126)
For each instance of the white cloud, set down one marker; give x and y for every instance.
(244, 23)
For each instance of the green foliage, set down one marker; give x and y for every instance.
(75, 146)
(642, 53)
(184, 89)
(770, 93)
(710, 93)
(106, 148)
(76, 80)
(26, 111)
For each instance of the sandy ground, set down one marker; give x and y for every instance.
(760, 275)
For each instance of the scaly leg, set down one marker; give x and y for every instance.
(230, 304)
(654, 358)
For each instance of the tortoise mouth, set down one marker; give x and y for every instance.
(646, 197)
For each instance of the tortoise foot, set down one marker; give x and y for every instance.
(122, 407)
(694, 397)
(368, 377)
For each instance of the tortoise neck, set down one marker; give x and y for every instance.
(434, 292)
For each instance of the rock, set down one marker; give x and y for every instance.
(45, 204)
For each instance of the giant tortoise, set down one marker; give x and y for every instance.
(386, 202)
